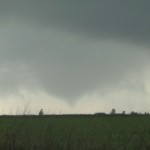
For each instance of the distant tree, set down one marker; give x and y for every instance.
(113, 111)
(146, 113)
(41, 112)
(133, 113)
(123, 112)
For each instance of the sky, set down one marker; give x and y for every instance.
(75, 57)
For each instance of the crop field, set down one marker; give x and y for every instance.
(75, 132)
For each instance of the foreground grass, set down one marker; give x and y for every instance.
(75, 133)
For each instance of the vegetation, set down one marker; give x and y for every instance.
(75, 132)
(41, 112)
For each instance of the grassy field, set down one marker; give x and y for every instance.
(70, 132)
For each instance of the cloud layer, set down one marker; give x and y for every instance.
(103, 18)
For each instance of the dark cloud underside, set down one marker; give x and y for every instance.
(102, 18)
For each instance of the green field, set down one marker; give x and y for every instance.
(70, 132)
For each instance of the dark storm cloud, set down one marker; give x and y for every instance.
(69, 48)
(102, 18)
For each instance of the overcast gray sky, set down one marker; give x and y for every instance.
(72, 56)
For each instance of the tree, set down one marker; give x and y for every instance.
(113, 111)
(41, 112)
(133, 113)
(123, 112)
